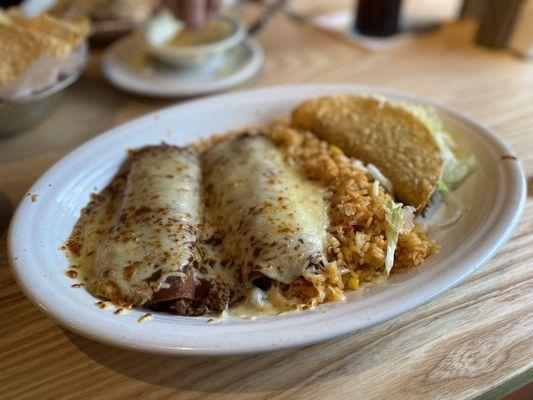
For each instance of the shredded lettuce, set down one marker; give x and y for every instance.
(456, 167)
(382, 179)
(400, 220)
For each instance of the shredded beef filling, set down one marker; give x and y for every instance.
(189, 298)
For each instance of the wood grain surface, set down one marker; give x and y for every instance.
(475, 341)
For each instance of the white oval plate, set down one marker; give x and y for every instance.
(494, 198)
(127, 66)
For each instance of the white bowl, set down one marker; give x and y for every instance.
(192, 56)
(493, 197)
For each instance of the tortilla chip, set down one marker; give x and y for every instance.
(38, 42)
(377, 132)
(24, 40)
(20, 50)
(70, 32)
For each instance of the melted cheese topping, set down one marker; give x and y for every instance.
(273, 220)
(155, 228)
(93, 227)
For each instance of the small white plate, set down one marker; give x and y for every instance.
(493, 197)
(128, 66)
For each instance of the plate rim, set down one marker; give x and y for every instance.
(510, 212)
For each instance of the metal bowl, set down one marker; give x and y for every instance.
(21, 114)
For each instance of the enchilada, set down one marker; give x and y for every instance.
(151, 254)
(273, 221)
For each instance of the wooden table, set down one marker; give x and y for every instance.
(474, 341)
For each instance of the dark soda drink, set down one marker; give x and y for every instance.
(378, 17)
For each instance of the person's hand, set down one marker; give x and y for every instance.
(194, 13)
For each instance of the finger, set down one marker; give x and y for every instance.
(213, 7)
(193, 12)
(172, 5)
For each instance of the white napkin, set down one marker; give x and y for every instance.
(46, 71)
(32, 8)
